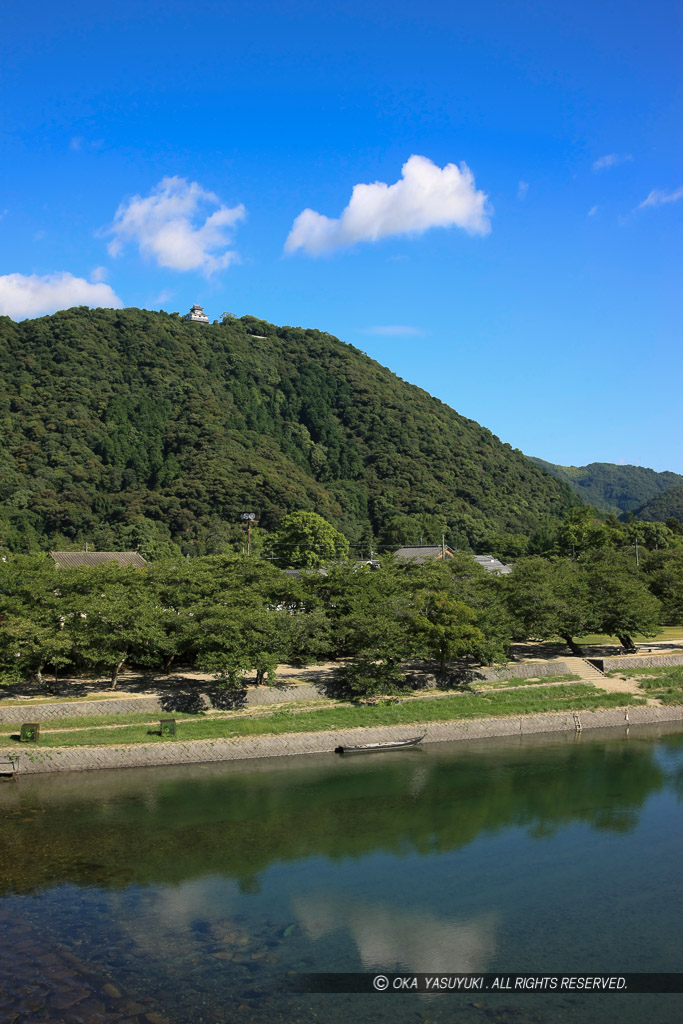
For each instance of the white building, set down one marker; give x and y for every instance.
(197, 315)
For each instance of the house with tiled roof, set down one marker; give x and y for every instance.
(419, 553)
(76, 559)
(492, 564)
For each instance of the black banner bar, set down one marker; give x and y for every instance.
(442, 982)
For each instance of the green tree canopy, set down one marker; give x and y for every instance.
(305, 540)
(548, 598)
(621, 602)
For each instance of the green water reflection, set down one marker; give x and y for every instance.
(200, 887)
(240, 820)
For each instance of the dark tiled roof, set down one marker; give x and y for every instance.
(421, 553)
(73, 559)
(492, 564)
(296, 573)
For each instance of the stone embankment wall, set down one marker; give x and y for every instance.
(282, 694)
(145, 705)
(638, 661)
(64, 759)
(524, 671)
(75, 709)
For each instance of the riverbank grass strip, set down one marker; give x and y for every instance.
(553, 699)
(500, 684)
(665, 682)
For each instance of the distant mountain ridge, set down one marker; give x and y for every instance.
(128, 428)
(612, 488)
(668, 505)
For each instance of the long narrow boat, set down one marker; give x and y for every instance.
(387, 745)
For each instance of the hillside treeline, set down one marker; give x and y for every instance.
(618, 489)
(132, 429)
(666, 508)
(235, 616)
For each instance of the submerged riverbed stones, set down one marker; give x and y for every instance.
(43, 983)
(111, 991)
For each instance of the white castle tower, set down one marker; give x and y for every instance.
(197, 315)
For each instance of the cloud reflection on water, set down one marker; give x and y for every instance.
(413, 940)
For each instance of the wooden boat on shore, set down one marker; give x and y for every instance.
(365, 748)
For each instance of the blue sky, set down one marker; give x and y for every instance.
(524, 267)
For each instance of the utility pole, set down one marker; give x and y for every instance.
(249, 518)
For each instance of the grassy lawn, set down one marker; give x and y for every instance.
(664, 682)
(561, 698)
(90, 721)
(560, 677)
(663, 633)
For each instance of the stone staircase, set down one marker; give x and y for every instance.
(591, 674)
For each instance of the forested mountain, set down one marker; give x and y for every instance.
(128, 428)
(612, 488)
(668, 505)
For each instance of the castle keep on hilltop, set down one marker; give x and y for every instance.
(197, 315)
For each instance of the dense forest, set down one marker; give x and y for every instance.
(133, 429)
(611, 488)
(664, 507)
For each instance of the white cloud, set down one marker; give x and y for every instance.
(522, 189)
(99, 274)
(393, 330)
(426, 196)
(611, 160)
(78, 143)
(593, 210)
(659, 196)
(173, 226)
(29, 295)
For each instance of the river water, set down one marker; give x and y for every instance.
(187, 895)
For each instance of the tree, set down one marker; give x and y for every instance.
(33, 614)
(445, 628)
(370, 614)
(27, 646)
(306, 541)
(550, 598)
(664, 571)
(412, 529)
(114, 618)
(484, 592)
(622, 604)
(462, 580)
(653, 536)
(581, 530)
